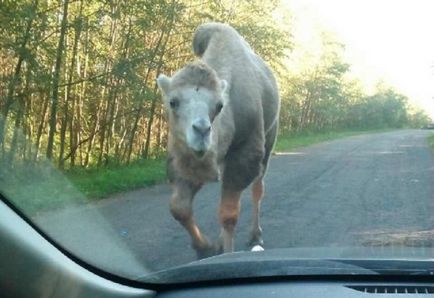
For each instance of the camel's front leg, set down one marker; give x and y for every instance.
(181, 207)
(228, 214)
(257, 195)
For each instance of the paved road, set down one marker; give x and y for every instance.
(364, 190)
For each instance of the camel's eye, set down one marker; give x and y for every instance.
(218, 107)
(174, 103)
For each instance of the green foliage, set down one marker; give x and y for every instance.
(418, 118)
(320, 98)
(431, 141)
(40, 187)
(108, 106)
(109, 113)
(290, 142)
(100, 182)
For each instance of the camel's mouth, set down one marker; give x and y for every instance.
(199, 153)
(199, 145)
(200, 150)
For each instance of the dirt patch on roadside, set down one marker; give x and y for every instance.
(397, 238)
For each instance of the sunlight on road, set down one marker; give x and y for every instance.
(389, 152)
(290, 153)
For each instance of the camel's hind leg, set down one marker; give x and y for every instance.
(181, 207)
(257, 195)
(258, 190)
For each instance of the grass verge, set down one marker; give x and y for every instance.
(41, 187)
(290, 142)
(98, 183)
(431, 141)
(36, 188)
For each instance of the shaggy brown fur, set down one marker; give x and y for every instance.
(196, 74)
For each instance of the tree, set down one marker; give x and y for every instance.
(56, 79)
(28, 13)
(77, 78)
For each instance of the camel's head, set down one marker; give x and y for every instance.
(193, 98)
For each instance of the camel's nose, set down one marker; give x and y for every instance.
(202, 127)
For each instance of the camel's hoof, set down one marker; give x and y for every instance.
(257, 248)
(206, 252)
(210, 250)
(219, 247)
(255, 239)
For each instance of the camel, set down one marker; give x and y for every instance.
(223, 117)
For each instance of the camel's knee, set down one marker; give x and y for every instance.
(180, 211)
(228, 214)
(229, 221)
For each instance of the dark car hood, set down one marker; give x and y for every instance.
(302, 262)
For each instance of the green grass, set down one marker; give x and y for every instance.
(98, 183)
(294, 141)
(431, 141)
(40, 187)
(35, 188)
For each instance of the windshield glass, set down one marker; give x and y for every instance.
(142, 136)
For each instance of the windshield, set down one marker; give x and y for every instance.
(142, 136)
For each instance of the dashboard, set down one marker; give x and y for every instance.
(32, 266)
(308, 289)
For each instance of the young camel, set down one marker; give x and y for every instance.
(223, 117)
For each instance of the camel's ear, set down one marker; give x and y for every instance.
(163, 83)
(223, 85)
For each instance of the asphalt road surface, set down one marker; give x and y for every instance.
(372, 189)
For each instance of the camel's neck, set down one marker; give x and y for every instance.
(193, 168)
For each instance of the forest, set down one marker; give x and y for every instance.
(77, 77)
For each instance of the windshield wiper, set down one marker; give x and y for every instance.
(204, 271)
(239, 268)
(394, 267)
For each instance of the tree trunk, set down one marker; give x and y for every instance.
(56, 79)
(79, 103)
(66, 120)
(145, 152)
(104, 117)
(139, 112)
(41, 127)
(159, 129)
(103, 125)
(17, 131)
(15, 78)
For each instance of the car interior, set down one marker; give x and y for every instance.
(35, 266)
